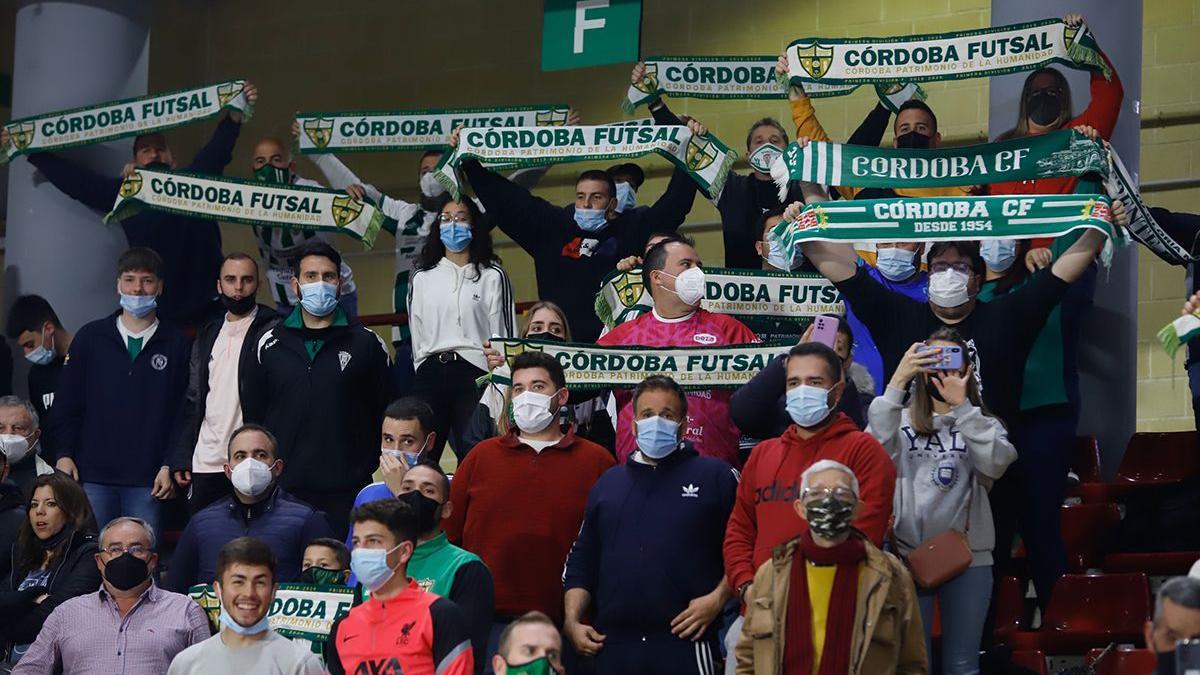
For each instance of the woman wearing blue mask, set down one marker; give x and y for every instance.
(458, 298)
(948, 450)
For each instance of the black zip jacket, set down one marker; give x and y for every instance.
(73, 574)
(196, 399)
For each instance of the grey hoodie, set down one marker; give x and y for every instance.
(936, 474)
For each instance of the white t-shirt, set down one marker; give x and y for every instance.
(538, 446)
(222, 406)
(275, 655)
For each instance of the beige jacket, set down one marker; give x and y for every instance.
(888, 637)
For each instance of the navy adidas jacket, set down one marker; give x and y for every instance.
(118, 418)
(651, 541)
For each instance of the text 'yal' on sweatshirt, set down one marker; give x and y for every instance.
(763, 516)
(934, 473)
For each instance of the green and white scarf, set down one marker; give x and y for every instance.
(747, 295)
(1181, 330)
(118, 119)
(737, 78)
(299, 611)
(384, 130)
(1061, 153)
(943, 56)
(247, 202)
(595, 367)
(902, 219)
(1120, 185)
(706, 159)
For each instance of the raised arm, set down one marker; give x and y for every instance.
(835, 261)
(1105, 105)
(218, 152)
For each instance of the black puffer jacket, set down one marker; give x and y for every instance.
(73, 574)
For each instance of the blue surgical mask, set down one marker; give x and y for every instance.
(895, 264)
(260, 626)
(777, 259)
(591, 220)
(657, 437)
(808, 406)
(139, 305)
(318, 298)
(998, 254)
(40, 355)
(626, 197)
(456, 236)
(370, 566)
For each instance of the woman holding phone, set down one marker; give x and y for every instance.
(948, 450)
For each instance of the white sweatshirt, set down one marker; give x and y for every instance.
(456, 309)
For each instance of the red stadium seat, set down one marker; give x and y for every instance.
(1120, 661)
(1086, 461)
(1088, 531)
(1033, 660)
(1089, 611)
(1009, 608)
(1150, 459)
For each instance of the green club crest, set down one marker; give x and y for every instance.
(649, 83)
(22, 134)
(228, 91)
(551, 118)
(131, 185)
(513, 351)
(701, 153)
(206, 597)
(815, 59)
(345, 210)
(319, 131)
(629, 289)
(1070, 34)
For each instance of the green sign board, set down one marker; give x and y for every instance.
(582, 33)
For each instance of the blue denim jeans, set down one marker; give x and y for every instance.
(964, 605)
(112, 501)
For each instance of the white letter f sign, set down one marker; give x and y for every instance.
(582, 23)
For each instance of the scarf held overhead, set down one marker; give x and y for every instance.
(1061, 153)
(365, 131)
(743, 294)
(738, 78)
(248, 203)
(590, 366)
(901, 219)
(944, 56)
(119, 119)
(705, 158)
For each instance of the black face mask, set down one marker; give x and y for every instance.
(1165, 663)
(913, 139)
(933, 391)
(551, 337)
(425, 508)
(126, 571)
(319, 576)
(1044, 107)
(55, 539)
(239, 306)
(158, 166)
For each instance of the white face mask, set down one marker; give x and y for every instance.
(689, 286)
(251, 477)
(948, 288)
(14, 447)
(430, 187)
(531, 411)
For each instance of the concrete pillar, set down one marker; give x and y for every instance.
(1108, 353)
(70, 54)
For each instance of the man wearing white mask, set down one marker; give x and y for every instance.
(668, 505)
(672, 270)
(118, 399)
(245, 584)
(519, 498)
(258, 508)
(320, 385)
(20, 439)
(897, 267)
(34, 326)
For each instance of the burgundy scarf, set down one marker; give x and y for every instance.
(798, 651)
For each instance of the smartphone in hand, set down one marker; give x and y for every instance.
(824, 330)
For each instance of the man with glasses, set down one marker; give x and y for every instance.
(129, 626)
(831, 626)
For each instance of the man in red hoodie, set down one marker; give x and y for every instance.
(762, 516)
